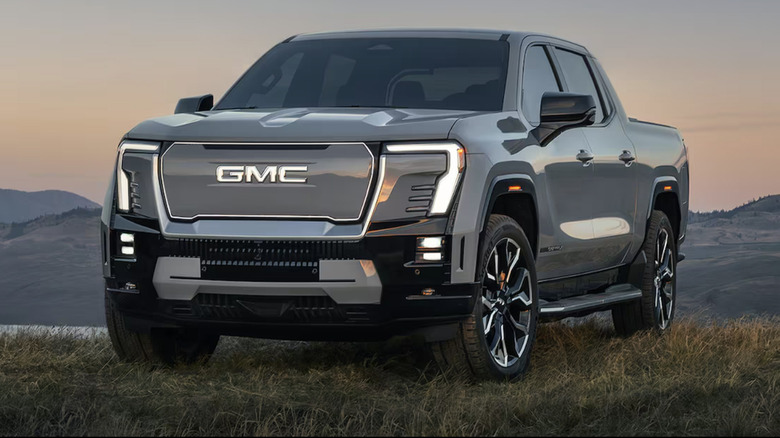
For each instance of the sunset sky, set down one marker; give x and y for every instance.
(76, 75)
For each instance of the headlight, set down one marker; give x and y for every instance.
(125, 186)
(447, 184)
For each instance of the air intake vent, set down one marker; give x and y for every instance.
(267, 251)
(248, 308)
(262, 260)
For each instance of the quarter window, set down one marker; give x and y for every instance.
(579, 78)
(538, 78)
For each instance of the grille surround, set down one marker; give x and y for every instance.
(172, 188)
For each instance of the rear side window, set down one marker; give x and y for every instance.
(538, 78)
(579, 78)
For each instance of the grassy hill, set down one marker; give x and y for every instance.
(696, 380)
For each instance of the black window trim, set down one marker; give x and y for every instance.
(604, 97)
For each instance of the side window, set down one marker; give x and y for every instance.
(538, 78)
(601, 80)
(579, 78)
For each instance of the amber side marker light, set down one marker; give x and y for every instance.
(515, 188)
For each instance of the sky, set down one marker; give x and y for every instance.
(76, 75)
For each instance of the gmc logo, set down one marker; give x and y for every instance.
(237, 174)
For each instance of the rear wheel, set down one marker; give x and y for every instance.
(161, 346)
(496, 340)
(655, 310)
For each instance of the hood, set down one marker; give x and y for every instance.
(301, 124)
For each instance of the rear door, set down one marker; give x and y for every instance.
(613, 195)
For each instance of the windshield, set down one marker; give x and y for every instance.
(435, 73)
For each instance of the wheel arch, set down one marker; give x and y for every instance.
(514, 195)
(666, 198)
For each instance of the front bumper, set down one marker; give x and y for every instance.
(330, 290)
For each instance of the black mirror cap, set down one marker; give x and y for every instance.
(194, 104)
(568, 109)
(562, 111)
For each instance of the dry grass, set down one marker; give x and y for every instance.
(714, 380)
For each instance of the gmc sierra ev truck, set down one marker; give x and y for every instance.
(462, 185)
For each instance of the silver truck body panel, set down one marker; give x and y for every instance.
(590, 217)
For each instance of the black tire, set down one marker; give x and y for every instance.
(469, 354)
(158, 346)
(655, 310)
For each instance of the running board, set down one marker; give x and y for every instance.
(616, 294)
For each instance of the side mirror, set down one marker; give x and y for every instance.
(562, 111)
(195, 104)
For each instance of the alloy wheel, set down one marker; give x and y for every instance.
(506, 303)
(663, 281)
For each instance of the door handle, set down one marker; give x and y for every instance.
(586, 157)
(627, 157)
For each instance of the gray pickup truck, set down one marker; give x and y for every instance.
(461, 185)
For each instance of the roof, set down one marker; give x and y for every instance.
(411, 33)
(483, 34)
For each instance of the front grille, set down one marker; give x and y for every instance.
(262, 260)
(252, 180)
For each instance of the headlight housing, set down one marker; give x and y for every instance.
(126, 186)
(447, 184)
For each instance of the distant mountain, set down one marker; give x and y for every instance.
(19, 206)
(764, 204)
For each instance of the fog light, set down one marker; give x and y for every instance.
(430, 242)
(431, 256)
(126, 238)
(128, 250)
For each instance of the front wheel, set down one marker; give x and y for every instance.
(159, 346)
(496, 340)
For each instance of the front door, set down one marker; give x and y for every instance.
(613, 195)
(565, 182)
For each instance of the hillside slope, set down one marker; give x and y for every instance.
(19, 206)
(732, 262)
(51, 270)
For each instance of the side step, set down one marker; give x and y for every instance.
(618, 293)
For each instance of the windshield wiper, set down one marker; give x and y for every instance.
(333, 106)
(236, 108)
(369, 106)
